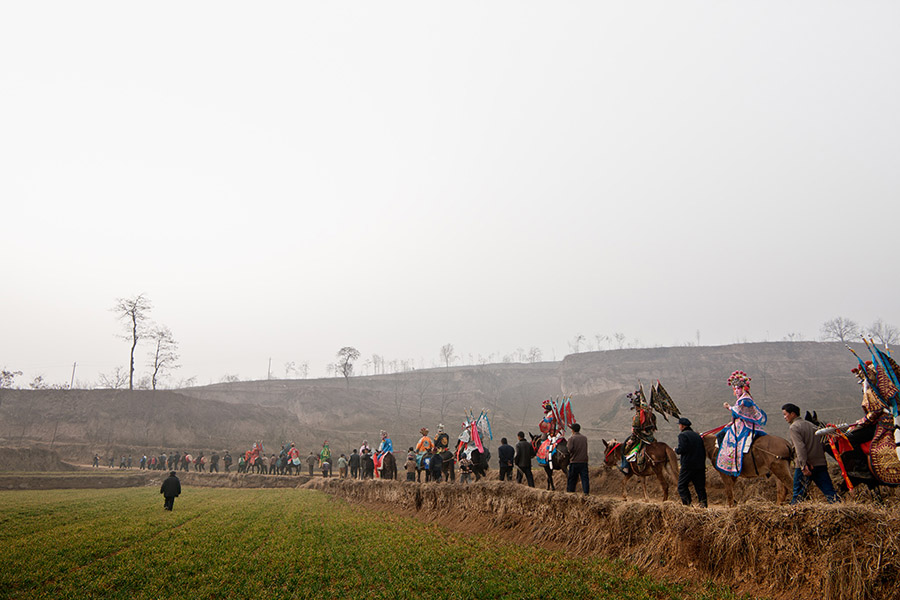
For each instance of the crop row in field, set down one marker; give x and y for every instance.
(276, 543)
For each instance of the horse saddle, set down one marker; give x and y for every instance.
(883, 454)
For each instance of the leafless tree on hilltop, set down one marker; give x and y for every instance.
(133, 312)
(840, 329)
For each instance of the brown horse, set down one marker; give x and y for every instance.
(388, 466)
(768, 454)
(659, 457)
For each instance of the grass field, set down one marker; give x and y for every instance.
(277, 543)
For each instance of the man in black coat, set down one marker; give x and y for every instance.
(506, 454)
(170, 489)
(354, 464)
(522, 459)
(693, 463)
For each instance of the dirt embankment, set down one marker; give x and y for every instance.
(32, 459)
(846, 552)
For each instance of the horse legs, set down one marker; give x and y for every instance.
(644, 488)
(783, 480)
(728, 482)
(625, 487)
(663, 482)
(549, 473)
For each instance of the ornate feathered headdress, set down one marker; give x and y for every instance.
(739, 379)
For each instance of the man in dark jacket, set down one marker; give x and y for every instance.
(170, 489)
(354, 464)
(578, 461)
(522, 458)
(693, 463)
(506, 454)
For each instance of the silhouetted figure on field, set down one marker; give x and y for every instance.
(96, 460)
(170, 489)
(226, 460)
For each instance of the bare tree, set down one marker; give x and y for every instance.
(399, 385)
(227, 378)
(576, 342)
(534, 354)
(886, 334)
(421, 385)
(118, 379)
(38, 383)
(7, 378)
(346, 356)
(600, 339)
(164, 356)
(303, 369)
(620, 339)
(840, 329)
(290, 368)
(133, 312)
(447, 354)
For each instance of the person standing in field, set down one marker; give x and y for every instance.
(170, 489)
(342, 467)
(214, 462)
(506, 454)
(311, 461)
(226, 460)
(465, 469)
(96, 460)
(578, 463)
(524, 454)
(354, 464)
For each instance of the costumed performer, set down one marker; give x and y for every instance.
(643, 424)
(747, 420)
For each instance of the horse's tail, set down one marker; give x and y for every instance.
(672, 463)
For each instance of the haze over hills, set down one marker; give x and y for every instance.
(813, 375)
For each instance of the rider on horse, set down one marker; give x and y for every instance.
(386, 446)
(747, 420)
(424, 445)
(643, 424)
(441, 440)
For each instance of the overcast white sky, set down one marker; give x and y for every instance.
(283, 179)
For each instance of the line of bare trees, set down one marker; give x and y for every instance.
(842, 329)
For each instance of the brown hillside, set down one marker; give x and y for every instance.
(81, 422)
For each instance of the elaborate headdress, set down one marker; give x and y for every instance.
(739, 379)
(424, 431)
(383, 433)
(637, 398)
(440, 427)
(547, 405)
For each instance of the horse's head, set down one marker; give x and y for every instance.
(814, 419)
(612, 455)
(535, 441)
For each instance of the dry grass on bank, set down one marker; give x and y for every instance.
(846, 552)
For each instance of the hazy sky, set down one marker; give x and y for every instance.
(284, 179)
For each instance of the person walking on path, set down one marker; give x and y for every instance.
(354, 464)
(170, 489)
(578, 461)
(506, 454)
(810, 461)
(523, 456)
(693, 463)
(311, 461)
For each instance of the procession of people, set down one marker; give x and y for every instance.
(562, 446)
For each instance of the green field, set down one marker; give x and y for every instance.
(276, 543)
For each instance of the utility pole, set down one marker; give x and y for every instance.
(269, 372)
(71, 383)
